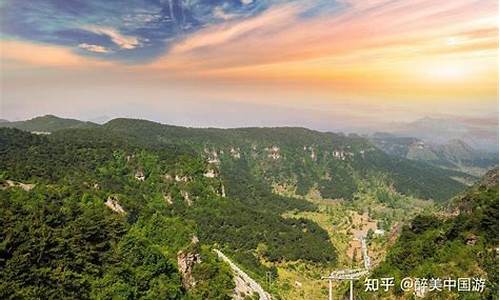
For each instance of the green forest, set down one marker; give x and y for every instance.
(59, 240)
(463, 244)
(134, 209)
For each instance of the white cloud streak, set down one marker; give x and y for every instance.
(94, 48)
(123, 41)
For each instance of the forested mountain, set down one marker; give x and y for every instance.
(459, 242)
(454, 154)
(301, 158)
(293, 157)
(56, 231)
(132, 208)
(47, 124)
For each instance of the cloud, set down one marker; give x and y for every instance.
(94, 48)
(123, 41)
(363, 31)
(379, 44)
(219, 13)
(136, 32)
(378, 47)
(26, 53)
(225, 33)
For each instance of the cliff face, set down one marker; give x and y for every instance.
(468, 201)
(186, 262)
(490, 179)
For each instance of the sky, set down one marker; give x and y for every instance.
(355, 65)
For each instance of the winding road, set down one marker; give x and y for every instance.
(249, 281)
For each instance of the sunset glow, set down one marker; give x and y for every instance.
(403, 53)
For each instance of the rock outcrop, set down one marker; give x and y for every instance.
(113, 204)
(186, 262)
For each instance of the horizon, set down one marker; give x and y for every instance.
(361, 66)
(367, 134)
(98, 120)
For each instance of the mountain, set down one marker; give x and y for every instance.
(459, 242)
(47, 124)
(126, 218)
(134, 209)
(479, 133)
(290, 157)
(300, 158)
(455, 154)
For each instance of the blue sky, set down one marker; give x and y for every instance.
(130, 31)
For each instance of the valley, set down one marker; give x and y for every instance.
(182, 210)
(249, 150)
(347, 223)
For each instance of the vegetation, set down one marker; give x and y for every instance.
(304, 158)
(172, 191)
(91, 251)
(462, 245)
(48, 123)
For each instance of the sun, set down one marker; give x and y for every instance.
(447, 72)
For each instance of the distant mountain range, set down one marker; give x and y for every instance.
(479, 133)
(454, 154)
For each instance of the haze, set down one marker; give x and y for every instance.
(329, 65)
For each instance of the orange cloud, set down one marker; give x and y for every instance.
(390, 46)
(26, 53)
(413, 47)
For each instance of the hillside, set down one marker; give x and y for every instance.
(301, 158)
(460, 242)
(47, 124)
(102, 204)
(287, 157)
(174, 194)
